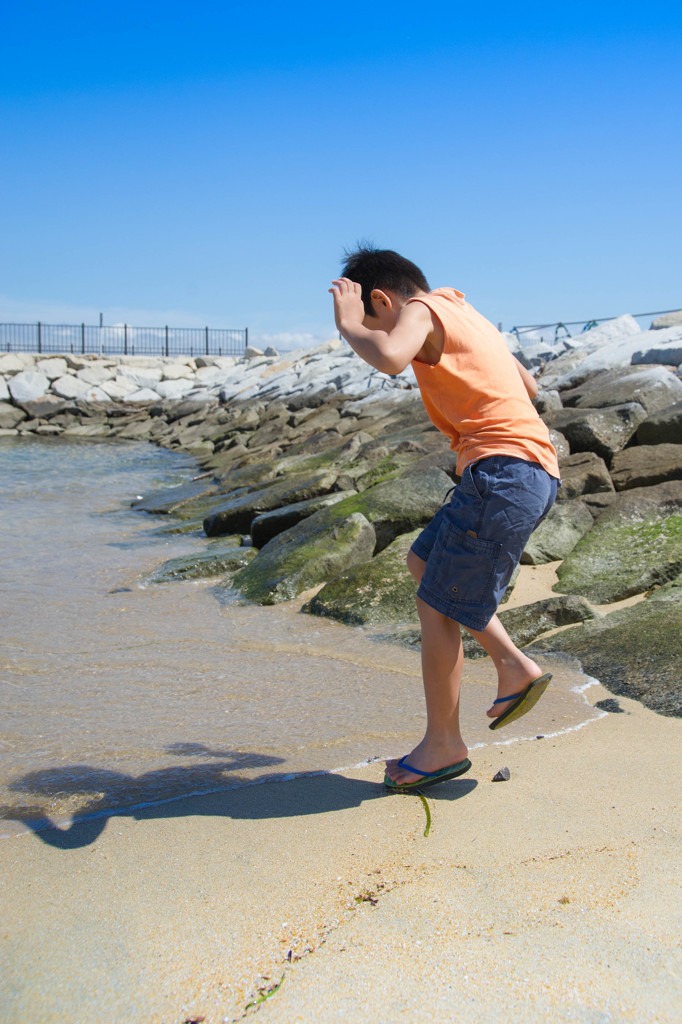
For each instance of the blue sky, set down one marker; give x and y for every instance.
(207, 163)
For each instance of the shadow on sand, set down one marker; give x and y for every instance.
(233, 796)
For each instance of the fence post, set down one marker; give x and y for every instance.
(207, 341)
(246, 338)
(125, 339)
(39, 339)
(82, 339)
(166, 339)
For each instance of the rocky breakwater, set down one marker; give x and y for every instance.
(316, 473)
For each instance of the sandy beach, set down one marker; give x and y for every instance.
(553, 896)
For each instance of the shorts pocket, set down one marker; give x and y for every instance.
(463, 569)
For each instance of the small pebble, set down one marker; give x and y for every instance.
(612, 705)
(502, 776)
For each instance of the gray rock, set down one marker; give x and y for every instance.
(251, 352)
(561, 445)
(218, 559)
(172, 498)
(664, 427)
(52, 368)
(378, 591)
(4, 390)
(635, 544)
(27, 385)
(71, 388)
(604, 431)
(645, 465)
(583, 473)
(310, 553)
(504, 775)
(97, 373)
(635, 652)
(606, 346)
(527, 622)
(547, 400)
(118, 389)
(267, 525)
(653, 387)
(46, 406)
(558, 534)
(236, 513)
(143, 395)
(662, 346)
(667, 320)
(11, 363)
(10, 416)
(174, 388)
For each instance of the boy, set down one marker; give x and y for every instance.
(479, 396)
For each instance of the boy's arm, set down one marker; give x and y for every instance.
(391, 351)
(529, 381)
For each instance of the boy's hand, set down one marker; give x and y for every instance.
(348, 306)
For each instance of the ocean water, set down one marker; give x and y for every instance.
(117, 692)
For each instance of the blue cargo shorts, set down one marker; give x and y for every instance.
(473, 544)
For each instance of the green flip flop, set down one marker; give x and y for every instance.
(429, 778)
(522, 702)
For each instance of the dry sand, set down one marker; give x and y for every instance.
(555, 896)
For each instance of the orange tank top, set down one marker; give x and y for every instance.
(474, 394)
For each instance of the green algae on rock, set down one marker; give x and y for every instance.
(635, 544)
(635, 652)
(312, 552)
(217, 559)
(374, 592)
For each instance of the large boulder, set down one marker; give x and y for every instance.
(309, 553)
(267, 525)
(667, 320)
(601, 348)
(664, 427)
(379, 591)
(634, 545)
(653, 387)
(52, 368)
(10, 416)
(218, 559)
(583, 473)
(72, 388)
(27, 385)
(662, 346)
(604, 431)
(558, 533)
(172, 498)
(237, 512)
(645, 465)
(635, 652)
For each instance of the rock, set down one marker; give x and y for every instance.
(581, 474)
(174, 388)
(310, 553)
(46, 406)
(4, 390)
(561, 446)
(118, 389)
(71, 387)
(10, 416)
(558, 533)
(635, 652)
(27, 385)
(271, 352)
(267, 525)
(97, 373)
(527, 622)
(10, 363)
(664, 427)
(662, 346)
(653, 387)
(218, 559)
(142, 376)
(604, 431)
(236, 513)
(176, 371)
(634, 545)
(645, 465)
(250, 352)
(667, 320)
(52, 368)
(504, 775)
(378, 591)
(611, 705)
(547, 401)
(603, 347)
(172, 498)
(143, 395)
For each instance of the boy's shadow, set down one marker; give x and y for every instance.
(233, 796)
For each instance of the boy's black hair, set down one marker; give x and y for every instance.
(384, 269)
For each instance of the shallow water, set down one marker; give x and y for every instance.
(116, 692)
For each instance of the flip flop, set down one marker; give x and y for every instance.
(523, 701)
(429, 778)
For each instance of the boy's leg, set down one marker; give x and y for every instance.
(514, 668)
(442, 659)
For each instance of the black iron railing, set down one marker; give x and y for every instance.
(123, 339)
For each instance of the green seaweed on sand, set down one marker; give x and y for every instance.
(264, 992)
(428, 813)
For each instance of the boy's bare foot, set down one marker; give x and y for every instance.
(512, 679)
(429, 756)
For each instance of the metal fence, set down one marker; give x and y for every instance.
(123, 340)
